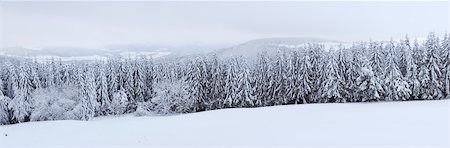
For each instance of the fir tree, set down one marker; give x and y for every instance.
(333, 84)
(369, 86)
(397, 89)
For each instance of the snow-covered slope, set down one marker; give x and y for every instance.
(271, 45)
(388, 124)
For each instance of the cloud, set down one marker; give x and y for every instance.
(98, 24)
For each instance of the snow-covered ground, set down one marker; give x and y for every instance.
(387, 124)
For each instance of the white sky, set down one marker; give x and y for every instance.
(99, 24)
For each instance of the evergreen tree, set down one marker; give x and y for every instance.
(293, 81)
(128, 86)
(88, 104)
(343, 69)
(245, 92)
(149, 79)
(376, 61)
(278, 79)
(102, 93)
(369, 86)
(418, 73)
(315, 52)
(305, 79)
(139, 85)
(354, 72)
(446, 67)
(4, 110)
(231, 89)
(261, 79)
(194, 87)
(333, 84)
(435, 88)
(218, 83)
(397, 89)
(21, 105)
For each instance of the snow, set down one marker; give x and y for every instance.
(384, 124)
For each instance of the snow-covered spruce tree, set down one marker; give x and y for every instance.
(305, 79)
(65, 75)
(278, 79)
(405, 62)
(293, 88)
(217, 85)
(194, 86)
(396, 87)
(446, 67)
(1, 82)
(369, 86)
(353, 73)
(434, 84)
(101, 86)
(424, 80)
(376, 59)
(245, 92)
(419, 72)
(88, 104)
(408, 66)
(316, 52)
(139, 81)
(230, 83)
(206, 100)
(112, 78)
(148, 79)
(442, 50)
(343, 69)
(377, 64)
(57, 73)
(128, 85)
(261, 79)
(203, 75)
(4, 110)
(34, 76)
(21, 104)
(333, 84)
(11, 80)
(121, 77)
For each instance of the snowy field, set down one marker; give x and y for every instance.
(387, 124)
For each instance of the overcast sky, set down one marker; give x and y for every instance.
(99, 24)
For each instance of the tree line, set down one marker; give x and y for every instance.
(364, 72)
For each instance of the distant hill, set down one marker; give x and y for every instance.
(270, 45)
(69, 54)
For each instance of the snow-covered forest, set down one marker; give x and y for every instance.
(364, 72)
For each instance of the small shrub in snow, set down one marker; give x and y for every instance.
(143, 109)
